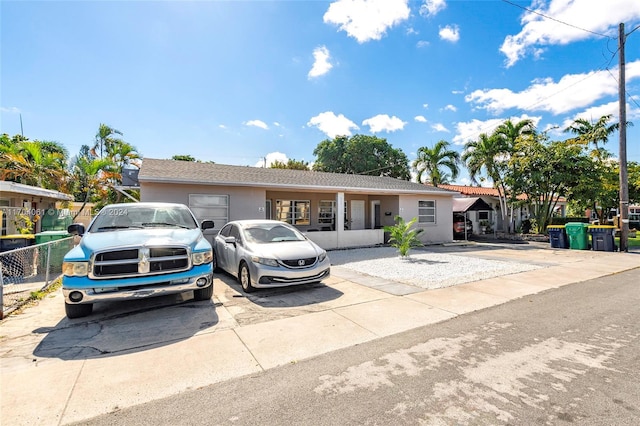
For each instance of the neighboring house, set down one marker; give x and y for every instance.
(335, 210)
(18, 201)
(491, 197)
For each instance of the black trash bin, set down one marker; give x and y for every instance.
(603, 237)
(558, 236)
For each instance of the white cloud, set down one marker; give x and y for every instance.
(450, 108)
(420, 119)
(270, 158)
(366, 20)
(422, 43)
(439, 127)
(275, 123)
(432, 7)
(573, 91)
(10, 110)
(257, 123)
(425, 106)
(333, 125)
(470, 130)
(594, 113)
(412, 30)
(321, 65)
(450, 33)
(222, 126)
(537, 32)
(384, 123)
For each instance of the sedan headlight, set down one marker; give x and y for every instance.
(264, 261)
(322, 256)
(202, 257)
(75, 269)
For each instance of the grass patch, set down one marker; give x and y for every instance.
(36, 296)
(633, 242)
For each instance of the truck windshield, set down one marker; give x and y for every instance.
(134, 216)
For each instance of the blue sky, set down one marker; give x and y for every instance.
(237, 82)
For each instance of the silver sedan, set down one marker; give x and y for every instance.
(268, 253)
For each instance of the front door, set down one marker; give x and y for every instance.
(357, 214)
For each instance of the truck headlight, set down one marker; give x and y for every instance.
(202, 257)
(75, 269)
(264, 261)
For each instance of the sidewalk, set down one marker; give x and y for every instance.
(57, 371)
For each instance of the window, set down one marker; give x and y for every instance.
(267, 207)
(210, 207)
(294, 212)
(483, 216)
(326, 212)
(427, 211)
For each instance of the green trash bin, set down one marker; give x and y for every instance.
(577, 235)
(57, 251)
(603, 237)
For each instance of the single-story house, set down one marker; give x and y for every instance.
(18, 201)
(334, 210)
(491, 198)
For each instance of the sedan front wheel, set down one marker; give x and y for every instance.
(245, 278)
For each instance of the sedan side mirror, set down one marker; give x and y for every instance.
(76, 229)
(230, 240)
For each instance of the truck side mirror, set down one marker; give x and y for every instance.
(206, 224)
(76, 229)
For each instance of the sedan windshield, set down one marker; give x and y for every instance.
(268, 233)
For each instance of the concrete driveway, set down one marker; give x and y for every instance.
(56, 371)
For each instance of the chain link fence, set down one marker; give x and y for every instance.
(29, 269)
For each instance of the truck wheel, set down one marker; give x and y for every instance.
(245, 278)
(203, 293)
(78, 311)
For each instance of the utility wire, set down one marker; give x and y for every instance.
(556, 20)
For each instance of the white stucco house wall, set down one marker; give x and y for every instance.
(335, 210)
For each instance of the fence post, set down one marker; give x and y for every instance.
(1, 291)
(46, 276)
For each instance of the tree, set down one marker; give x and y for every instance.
(183, 158)
(104, 139)
(290, 164)
(89, 177)
(543, 171)
(488, 156)
(34, 163)
(361, 154)
(431, 161)
(588, 132)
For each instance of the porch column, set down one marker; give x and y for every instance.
(339, 217)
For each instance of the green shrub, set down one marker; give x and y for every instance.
(402, 236)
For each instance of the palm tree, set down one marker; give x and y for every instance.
(31, 163)
(587, 132)
(432, 161)
(105, 139)
(509, 131)
(488, 156)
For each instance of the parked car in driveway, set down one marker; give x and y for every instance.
(137, 250)
(459, 226)
(268, 253)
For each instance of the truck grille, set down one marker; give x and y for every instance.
(139, 261)
(300, 263)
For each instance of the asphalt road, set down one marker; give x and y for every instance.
(566, 356)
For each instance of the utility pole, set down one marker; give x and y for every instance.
(624, 181)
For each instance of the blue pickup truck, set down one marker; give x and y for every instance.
(137, 250)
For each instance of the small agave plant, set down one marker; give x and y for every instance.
(403, 237)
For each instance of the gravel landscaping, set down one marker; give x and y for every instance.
(423, 268)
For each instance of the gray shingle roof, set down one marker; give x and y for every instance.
(171, 171)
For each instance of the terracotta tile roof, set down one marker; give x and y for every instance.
(171, 171)
(481, 190)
